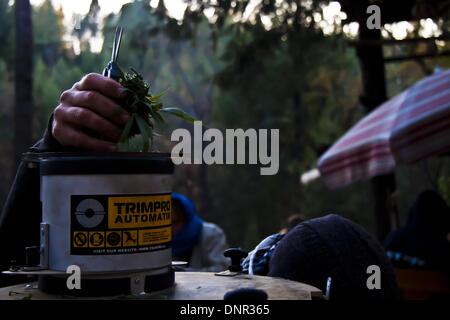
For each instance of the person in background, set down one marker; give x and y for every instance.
(291, 222)
(330, 253)
(424, 241)
(257, 261)
(334, 254)
(199, 243)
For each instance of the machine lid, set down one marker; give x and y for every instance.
(103, 163)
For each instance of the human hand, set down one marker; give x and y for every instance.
(88, 116)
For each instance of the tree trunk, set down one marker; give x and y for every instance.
(23, 79)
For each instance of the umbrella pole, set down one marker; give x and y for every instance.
(386, 211)
(374, 84)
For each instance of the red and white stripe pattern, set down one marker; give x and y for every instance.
(411, 126)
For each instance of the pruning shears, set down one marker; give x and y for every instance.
(112, 70)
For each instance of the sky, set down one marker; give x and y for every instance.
(176, 9)
(72, 9)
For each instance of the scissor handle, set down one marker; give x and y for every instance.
(112, 70)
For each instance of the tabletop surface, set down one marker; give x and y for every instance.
(191, 286)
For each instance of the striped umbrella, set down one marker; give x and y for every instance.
(412, 126)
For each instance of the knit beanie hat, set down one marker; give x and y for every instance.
(335, 247)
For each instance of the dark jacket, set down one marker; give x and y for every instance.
(21, 214)
(425, 234)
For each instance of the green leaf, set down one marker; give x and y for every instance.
(157, 106)
(124, 146)
(180, 114)
(132, 144)
(150, 134)
(126, 131)
(155, 115)
(157, 97)
(144, 129)
(145, 108)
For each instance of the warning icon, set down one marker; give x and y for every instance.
(80, 239)
(96, 239)
(113, 239)
(130, 238)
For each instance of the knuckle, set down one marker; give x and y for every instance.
(65, 96)
(59, 113)
(88, 80)
(76, 85)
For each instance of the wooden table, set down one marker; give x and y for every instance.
(191, 286)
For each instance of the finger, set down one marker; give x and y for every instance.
(104, 85)
(75, 137)
(98, 103)
(86, 118)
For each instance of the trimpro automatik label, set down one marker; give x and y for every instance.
(120, 224)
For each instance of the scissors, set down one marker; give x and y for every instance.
(112, 70)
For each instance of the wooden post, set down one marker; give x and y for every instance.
(374, 83)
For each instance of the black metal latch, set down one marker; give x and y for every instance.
(236, 255)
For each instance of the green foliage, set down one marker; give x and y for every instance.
(45, 95)
(444, 187)
(47, 25)
(3, 73)
(308, 92)
(49, 83)
(65, 73)
(179, 113)
(145, 109)
(6, 31)
(47, 32)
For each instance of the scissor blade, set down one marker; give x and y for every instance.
(113, 51)
(117, 42)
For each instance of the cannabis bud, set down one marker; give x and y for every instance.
(144, 108)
